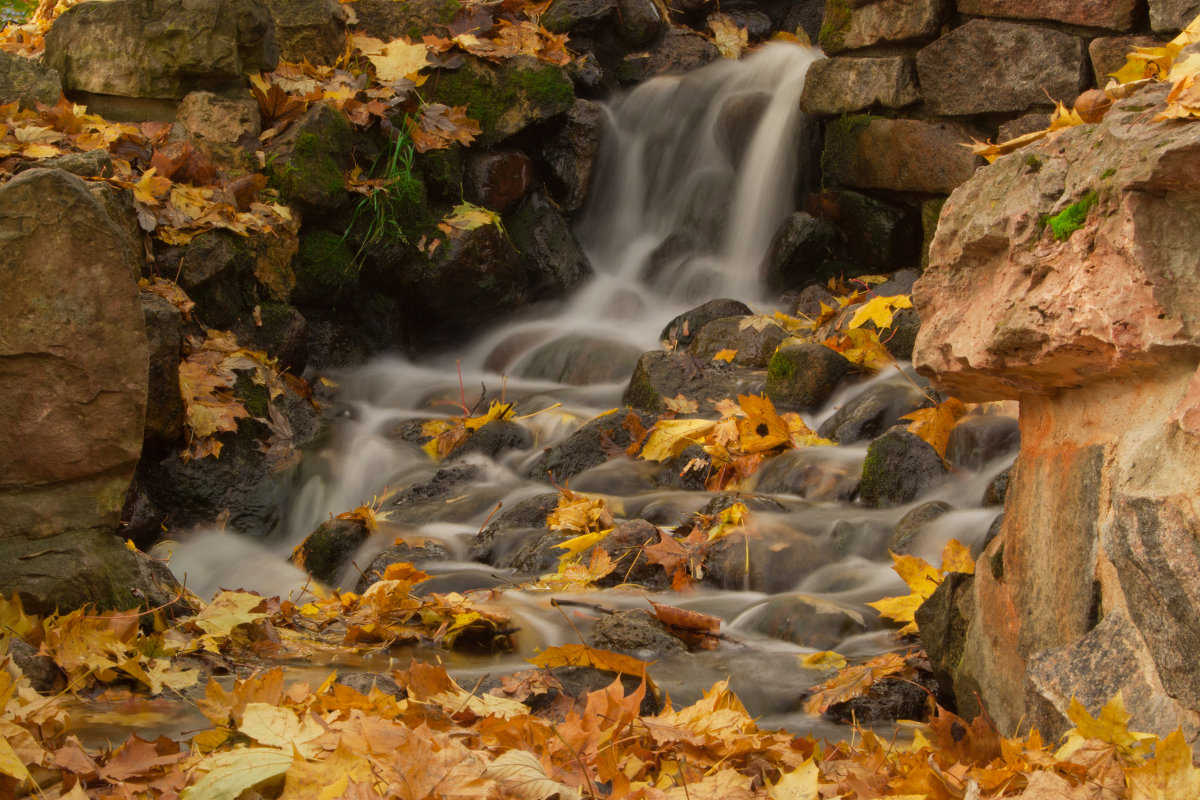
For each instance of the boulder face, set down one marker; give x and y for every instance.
(1061, 276)
(73, 359)
(161, 48)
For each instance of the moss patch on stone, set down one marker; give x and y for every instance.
(832, 35)
(506, 100)
(841, 142)
(1071, 218)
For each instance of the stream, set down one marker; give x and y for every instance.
(695, 175)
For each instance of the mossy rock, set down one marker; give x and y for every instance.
(330, 547)
(505, 99)
(803, 376)
(389, 19)
(837, 22)
(307, 163)
(325, 271)
(899, 467)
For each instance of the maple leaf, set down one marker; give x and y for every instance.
(276, 106)
(681, 405)
(439, 126)
(854, 681)
(1111, 725)
(522, 774)
(1168, 775)
(226, 775)
(670, 437)
(468, 217)
(726, 355)
(577, 512)
(579, 655)
(934, 424)
(394, 60)
(860, 346)
(694, 628)
(922, 579)
(879, 310)
(730, 40)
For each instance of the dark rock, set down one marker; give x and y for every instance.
(1169, 16)
(799, 251)
(942, 622)
(772, 562)
(873, 411)
(802, 377)
(400, 553)
(73, 359)
(843, 85)
(553, 259)
(44, 675)
(997, 488)
(737, 120)
(867, 538)
(988, 65)
(660, 375)
(164, 335)
(754, 347)
(756, 23)
(92, 164)
(586, 447)
(308, 161)
(578, 16)
(413, 503)
(864, 152)
(26, 81)
(527, 515)
(976, 441)
(900, 282)
(327, 550)
(571, 153)
(539, 553)
(161, 48)
(901, 337)
(283, 335)
(887, 700)
(808, 300)
(579, 360)
(312, 30)
(679, 51)
(684, 328)
(579, 682)
(326, 274)
(637, 633)
(899, 466)
(364, 682)
(624, 546)
(878, 236)
(752, 502)
(494, 438)
(804, 16)
(387, 19)
(639, 22)
(994, 529)
(906, 529)
(804, 620)
(142, 521)
(587, 75)
(815, 474)
(336, 344)
(497, 179)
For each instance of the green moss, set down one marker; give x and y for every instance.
(1071, 218)
(325, 263)
(781, 370)
(502, 100)
(442, 172)
(832, 35)
(255, 398)
(1033, 162)
(841, 141)
(1108, 173)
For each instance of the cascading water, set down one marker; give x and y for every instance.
(696, 174)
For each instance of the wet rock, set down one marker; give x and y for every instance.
(736, 122)
(756, 23)
(997, 489)
(416, 502)
(579, 682)
(326, 551)
(43, 673)
(326, 274)
(679, 51)
(866, 538)
(901, 337)
(637, 633)
(586, 447)
(906, 529)
(805, 620)
(579, 360)
(752, 502)
(808, 300)
(899, 467)
(578, 16)
(754, 347)
(1117, 15)
(849, 26)
(164, 335)
(804, 16)
(639, 22)
(538, 554)
(210, 117)
(802, 377)
(554, 261)
(505, 99)
(527, 515)
(799, 251)
(815, 474)
(161, 48)
(976, 441)
(497, 437)
(684, 327)
(624, 546)
(401, 553)
(312, 30)
(887, 700)
(769, 562)
(497, 179)
(861, 151)
(879, 236)
(994, 529)
(843, 85)
(988, 65)
(571, 153)
(1169, 16)
(1108, 54)
(942, 622)
(73, 359)
(307, 162)
(335, 344)
(674, 476)
(364, 682)
(662, 375)
(873, 411)
(387, 19)
(587, 74)
(26, 81)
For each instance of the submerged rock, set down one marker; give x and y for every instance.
(873, 411)
(637, 633)
(586, 447)
(401, 553)
(899, 467)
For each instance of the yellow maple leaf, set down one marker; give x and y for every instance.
(879, 310)
(580, 513)
(934, 424)
(823, 659)
(1111, 725)
(726, 355)
(922, 579)
(860, 346)
(670, 437)
(468, 217)
(394, 60)
(730, 40)
(1167, 776)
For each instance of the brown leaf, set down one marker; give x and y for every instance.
(694, 628)
(275, 105)
(440, 126)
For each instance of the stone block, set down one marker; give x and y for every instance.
(1171, 16)
(1114, 15)
(26, 81)
(849, 26)
(1108, 53)
(905, 155)
(987, 65)
(309, 29)
(843, 85)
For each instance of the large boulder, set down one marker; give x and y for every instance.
(988, 65)
(309, 29)
(26, 81)
(842, 85)
(161, 48)
(1061, 276)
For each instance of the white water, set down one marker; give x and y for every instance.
(664, 182)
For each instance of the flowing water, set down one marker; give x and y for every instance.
(695, 175)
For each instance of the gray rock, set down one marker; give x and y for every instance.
(987, 66)
(899, 467)
(210, 117)
(494, 438)
(904, 155)
(800, 251)
(309, 29)
(364, 682)
(660, 375)
(585, 447)
(684, 327)
(902, 535)
(879, 236)
(164, 334)
(639, 22)
(579, 360)
(637, 633)
(73, 357)
(997, 489)
(773, 562)
(26, 81)
(387, 19)
(1026, 123)
(975, 441)
(43, 673)
(400, 553)
(624, 546)
(526, 515)
(1170, 16)
(553, 259)
(849, 26)
(678, 51)
(161, 48)
(1116, 15)
(578, 16)
(802, 377)
(754, 347)
(571, 153)
(873, 411)
(804, 620)
(844, 85)
(1108, 53)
